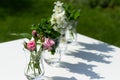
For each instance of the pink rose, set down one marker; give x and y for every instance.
(48, 43)
(31, 45)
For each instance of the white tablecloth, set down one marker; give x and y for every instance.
(89, 59)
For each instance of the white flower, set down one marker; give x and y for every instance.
(58, 9)
(55, 28)
(58, 18)
(58, 3)
(53, 19)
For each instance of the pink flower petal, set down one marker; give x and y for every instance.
(31, 45)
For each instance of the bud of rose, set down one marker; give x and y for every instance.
(34, 33)
(43, 39)
(31, 45)
(38, 35)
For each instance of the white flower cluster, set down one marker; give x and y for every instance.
(58, 18)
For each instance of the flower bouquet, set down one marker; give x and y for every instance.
(49, 38)
(34, 68)
(73, 15)
(43, 39)
(59, 22)
(64, 20)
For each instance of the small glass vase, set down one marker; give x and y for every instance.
(63, 43)
(71, 34)
(34, 69)
(53, 59)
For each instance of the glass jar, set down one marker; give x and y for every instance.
(71, 34)
(53, 59)
(34, 69)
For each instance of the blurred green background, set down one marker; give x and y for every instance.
(99, 19)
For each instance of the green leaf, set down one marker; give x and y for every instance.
(36, 64)
(53, 51)
(77, 14)
(72, 12)
(24, 35)
(33, 28)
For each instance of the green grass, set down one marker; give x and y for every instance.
(101, 24)
(21, 21)
(98, 23)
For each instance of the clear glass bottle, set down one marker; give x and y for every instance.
(34, 69)
(53, 59)
(71, 34)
